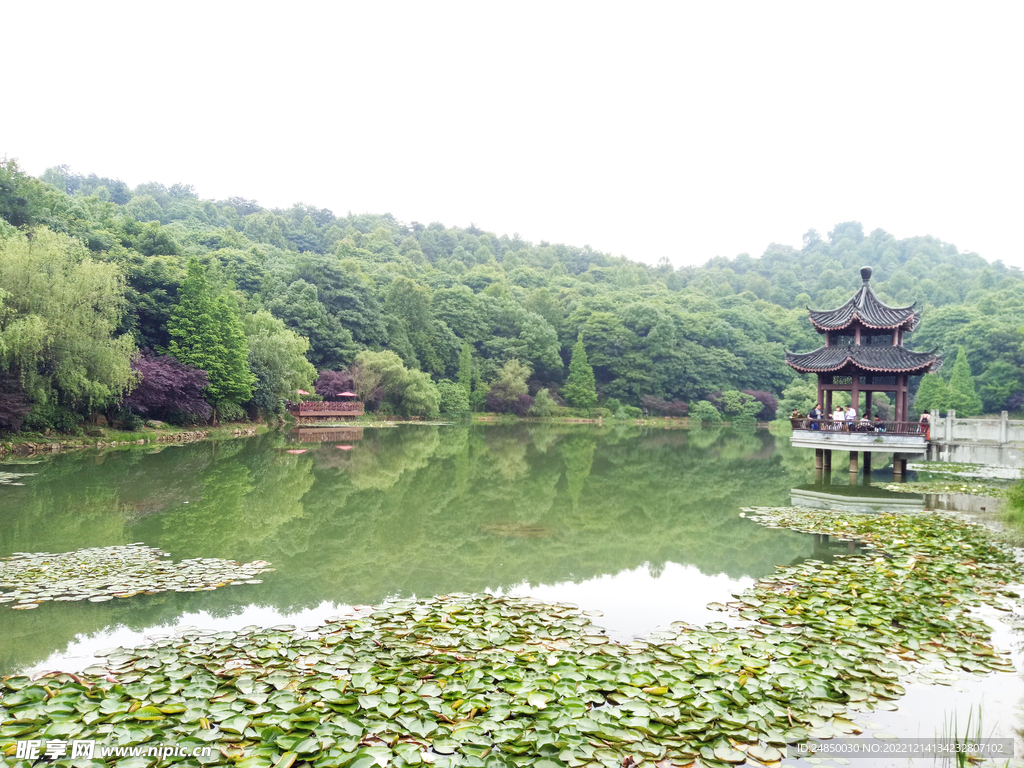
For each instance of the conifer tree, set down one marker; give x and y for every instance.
(580, 388)
(207, 333)
(932, 394)
(466, 369)
(963, 397)
(192, 326)
(235, 385)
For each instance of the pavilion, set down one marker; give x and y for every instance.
(863, 354)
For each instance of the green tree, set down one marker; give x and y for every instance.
(543, 404)
(59, 311)
(739, 404)
(280, 352)
(454, 400)
(192, 324)
(206, 333)
(466, 369)
(508, 386)
(997, 383)
(236, 385)
(963, 397)
(580, 389)
(405, 392)
(346, 294)
(331, 345)
(932, 394)
(704, 412)
(800, 395)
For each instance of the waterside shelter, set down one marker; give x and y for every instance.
(863, 353)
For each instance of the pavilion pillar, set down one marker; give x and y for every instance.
(853, 463)
(828, 402)
(855, 394)
(819, 401)
(867, 462)
(899, 398)
(819, 461)
(867, 403)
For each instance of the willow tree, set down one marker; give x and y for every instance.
(59, 311)
(281, 352)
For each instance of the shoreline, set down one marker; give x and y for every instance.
(34, 445)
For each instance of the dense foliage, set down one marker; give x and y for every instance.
(458, 303)
(167, 389)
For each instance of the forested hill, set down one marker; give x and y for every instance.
(357, 282)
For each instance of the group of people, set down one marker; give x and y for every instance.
(846, 417)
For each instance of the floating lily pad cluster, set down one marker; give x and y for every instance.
(100, 574)
(951, 486)
(911, 598)
(12, 478)
(499, 681)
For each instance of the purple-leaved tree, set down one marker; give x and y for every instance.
(14, 402)
(168, 389)
(769, 403)
(331, 383)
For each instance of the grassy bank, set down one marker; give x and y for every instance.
(33, 443)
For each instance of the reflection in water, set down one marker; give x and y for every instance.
(416, 510)
(855, 498)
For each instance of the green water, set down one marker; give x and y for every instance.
(641, 523)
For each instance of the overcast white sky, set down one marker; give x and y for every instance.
(675, 129)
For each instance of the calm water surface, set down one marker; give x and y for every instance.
(640, 523)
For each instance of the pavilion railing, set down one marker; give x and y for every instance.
(881, 427)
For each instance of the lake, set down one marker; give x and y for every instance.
(640, 523)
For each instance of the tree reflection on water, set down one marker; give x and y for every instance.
(415, 510)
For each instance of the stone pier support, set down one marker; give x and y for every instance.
(853, 462)
(898, 463)
(867, 462)
(819, 461)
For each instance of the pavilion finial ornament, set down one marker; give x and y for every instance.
(865, 274)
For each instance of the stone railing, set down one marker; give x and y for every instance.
(951, 428)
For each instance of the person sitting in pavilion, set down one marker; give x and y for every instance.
(815, 415)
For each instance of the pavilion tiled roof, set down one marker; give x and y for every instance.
(866, 308)
(877, 359)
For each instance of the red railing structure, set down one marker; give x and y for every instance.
(880, 427)
(316, 408)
